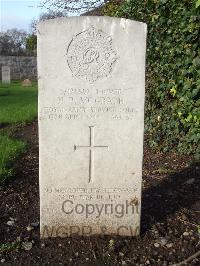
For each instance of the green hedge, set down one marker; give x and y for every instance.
(173, 70)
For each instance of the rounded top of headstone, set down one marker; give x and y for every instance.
(88, 19)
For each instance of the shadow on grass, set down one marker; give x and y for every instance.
(3, 125)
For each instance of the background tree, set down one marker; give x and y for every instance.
(31, 44)
(45, 16)
(73, 6)
(31, 41)
(13, 42)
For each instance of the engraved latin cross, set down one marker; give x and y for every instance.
(91, 147)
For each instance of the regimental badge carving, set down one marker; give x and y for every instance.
(90, 55)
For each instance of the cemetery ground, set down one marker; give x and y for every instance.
(18, 106)
(170, 229)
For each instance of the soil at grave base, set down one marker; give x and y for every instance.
(170, 213)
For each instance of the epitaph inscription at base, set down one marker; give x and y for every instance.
(91, 119)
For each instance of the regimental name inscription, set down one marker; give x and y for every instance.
(79, 104)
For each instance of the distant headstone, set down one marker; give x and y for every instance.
(91, 121)
(5, 74)
(26, 83)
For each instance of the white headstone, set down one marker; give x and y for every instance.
(91, 120)
(5, 74)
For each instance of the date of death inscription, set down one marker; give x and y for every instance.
(79, 104)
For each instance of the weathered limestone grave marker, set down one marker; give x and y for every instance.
(5, 74)
(91, 113)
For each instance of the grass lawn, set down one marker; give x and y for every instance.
(10, 149)
(18, 105)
